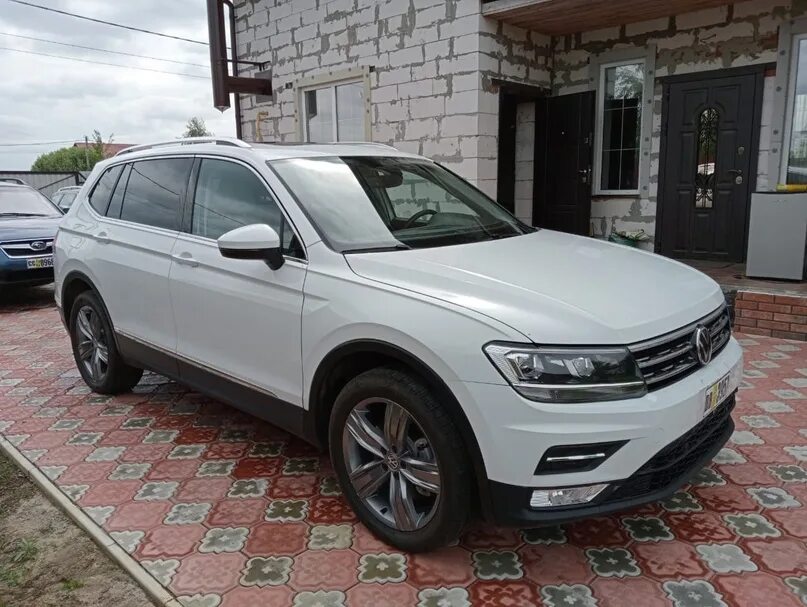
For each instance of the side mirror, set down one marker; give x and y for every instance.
(256, 241)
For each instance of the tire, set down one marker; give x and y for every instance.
(426, 514)
(113, 376)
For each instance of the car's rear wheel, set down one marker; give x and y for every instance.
(94, 349)
(400, 460)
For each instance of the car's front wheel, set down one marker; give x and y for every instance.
(400, 460)
(94, 349)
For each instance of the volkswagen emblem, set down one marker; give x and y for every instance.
(393, 463)
(39, 245)
(702, 340)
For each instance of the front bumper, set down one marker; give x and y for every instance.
(513, 434)
(23, 277)
(659, 478)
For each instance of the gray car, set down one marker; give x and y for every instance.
(64, 197)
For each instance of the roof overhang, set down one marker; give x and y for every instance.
(559, 17)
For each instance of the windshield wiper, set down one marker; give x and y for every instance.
(394, 247)
(25, 215)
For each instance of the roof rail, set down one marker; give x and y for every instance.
(186, 141)
(303, 143)
(372, 143)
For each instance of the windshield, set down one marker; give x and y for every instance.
(25, 202)
(367, 203)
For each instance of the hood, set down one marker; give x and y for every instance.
(23, 228)
(554, 288)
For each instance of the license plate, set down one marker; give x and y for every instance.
(716, 394)
(40, 262)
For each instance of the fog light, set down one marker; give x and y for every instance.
(549, 498)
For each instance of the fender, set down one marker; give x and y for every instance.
(70, 279)
(320, 405)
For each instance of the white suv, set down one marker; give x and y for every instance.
(453, 359)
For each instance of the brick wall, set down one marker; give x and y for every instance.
(772, 315)
(433, 60)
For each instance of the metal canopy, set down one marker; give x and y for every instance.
(559, 17)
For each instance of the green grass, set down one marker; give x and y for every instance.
(70, 585)
(13, 567)
(25, 550)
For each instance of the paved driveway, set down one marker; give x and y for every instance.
(227, 511)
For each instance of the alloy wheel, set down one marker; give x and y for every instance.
(91, 343)
(391, 464)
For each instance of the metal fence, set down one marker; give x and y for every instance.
(47, 183)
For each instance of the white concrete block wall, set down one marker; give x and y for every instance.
(763, 166)
(525, 156)
(742, 34)
(431, 90)
(435, 61)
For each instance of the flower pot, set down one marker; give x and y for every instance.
(614, 237)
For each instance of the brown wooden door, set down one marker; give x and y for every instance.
(564, 129)
(710, 148)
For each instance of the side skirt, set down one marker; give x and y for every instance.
(264, 406)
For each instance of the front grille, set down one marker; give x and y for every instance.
(666, 359)
(28, 248)
(678, 459)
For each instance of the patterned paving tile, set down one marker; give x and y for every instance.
(225, 511)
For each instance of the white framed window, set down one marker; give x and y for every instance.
(334, 111)
(794, 149)
(617, 149)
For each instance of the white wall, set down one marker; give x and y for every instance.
(433, 60)
(736, 35)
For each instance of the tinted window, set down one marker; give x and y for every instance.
(228, 196)
(154, 192)
(99, 199)
(117, 196)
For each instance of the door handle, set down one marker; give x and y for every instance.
(738, 175)
(185, 259)
(102, 237)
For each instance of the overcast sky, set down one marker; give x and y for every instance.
(48, 99)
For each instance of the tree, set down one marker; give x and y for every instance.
(81, 158)
(68, 160)
(196, 127)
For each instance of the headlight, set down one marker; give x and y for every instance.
(568, 375)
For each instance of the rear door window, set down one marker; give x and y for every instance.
(117, 196)
(155, 191)
(99, 197)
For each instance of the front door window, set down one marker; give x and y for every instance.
(707, 158)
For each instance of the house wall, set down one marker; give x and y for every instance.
(736, 35)
(433, 61)
(525, 156)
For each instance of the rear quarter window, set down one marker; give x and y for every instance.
(101, 193)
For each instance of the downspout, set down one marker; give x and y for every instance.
(234, 50)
